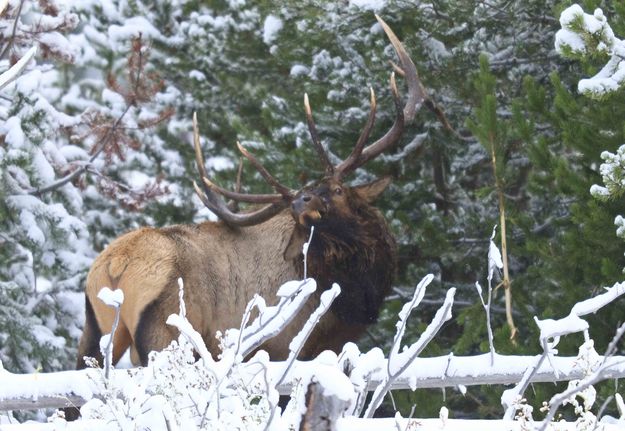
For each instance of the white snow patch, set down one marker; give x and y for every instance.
(299, 70)
(271, 28)
(112, 298)
(372, 5)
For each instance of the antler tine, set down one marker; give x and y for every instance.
(199, 157)
(329, 168)
(416, 92)
(415, 98)
(346, 165)
(232, 204)
(217, 205)
(242, 197)
(283, 190)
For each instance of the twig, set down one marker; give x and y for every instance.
(489, 328)
(261, 328)
(410, 354)
(296, 345)
(14, 71)
(508, 397)
(112, 299)
(305, 251)
(13, 32)
(504, 245)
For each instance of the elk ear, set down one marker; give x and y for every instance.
(370, 191)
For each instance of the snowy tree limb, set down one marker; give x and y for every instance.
(44, 390)
(85, 167)
(10, 75)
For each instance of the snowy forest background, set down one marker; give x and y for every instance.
(95, 139)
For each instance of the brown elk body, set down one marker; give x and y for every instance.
(223, 264)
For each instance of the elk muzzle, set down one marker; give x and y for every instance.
(308, 209)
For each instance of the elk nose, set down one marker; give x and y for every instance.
(307, 209)
(300, 202)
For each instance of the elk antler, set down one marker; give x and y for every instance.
(350, 162)
(209, 193)
(414, 100)
(315, 139)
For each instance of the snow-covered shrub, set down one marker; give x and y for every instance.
(185, 387)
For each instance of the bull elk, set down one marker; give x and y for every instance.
(225, 263)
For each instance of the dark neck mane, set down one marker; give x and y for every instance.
(359, 255)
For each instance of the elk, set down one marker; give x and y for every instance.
(224, 263)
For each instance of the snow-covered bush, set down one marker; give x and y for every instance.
(185, 387)
(177, 391)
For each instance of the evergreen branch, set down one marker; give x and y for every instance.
(101, 144)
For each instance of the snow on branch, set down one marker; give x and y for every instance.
(44, 390)
(231, 392)
(10, 75)
(585, 36)
(271, 320)
(554, 329)
(399, 362)
(597, 369)
(112, 298)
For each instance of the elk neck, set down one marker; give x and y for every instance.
(360, 255)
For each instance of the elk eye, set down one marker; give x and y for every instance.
(338, 191)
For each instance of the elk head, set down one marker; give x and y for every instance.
(327, 200)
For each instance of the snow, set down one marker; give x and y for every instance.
(494, 257)
(371, 5)
(197, 75)
(33, 232)
(291, 287)
(583, 34)
(10, 75)
(299, 70)
(550, 328)
(29, 82)
(133, 27)
(271, 28)
(13, 134)
(219, 163)
(112, 298)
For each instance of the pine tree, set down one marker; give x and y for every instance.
(45, 246)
